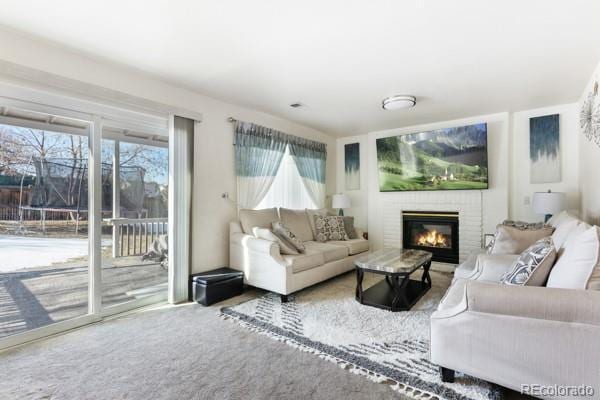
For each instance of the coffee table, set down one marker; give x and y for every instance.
(397, 292)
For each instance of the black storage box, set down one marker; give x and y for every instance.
(217, 285)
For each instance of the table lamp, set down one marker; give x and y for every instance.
(340, 201)
(548, 203)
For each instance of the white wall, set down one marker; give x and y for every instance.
(521, 188)
(358, 197)
(213, 145)
(508, 150)
(589, 166)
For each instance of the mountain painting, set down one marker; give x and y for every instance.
(442, 159)
(352, 166)
(544, 149)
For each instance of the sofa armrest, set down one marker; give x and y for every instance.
(491, 267)
(255, 244)
(563, 305)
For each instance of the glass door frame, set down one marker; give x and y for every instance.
(96, 312)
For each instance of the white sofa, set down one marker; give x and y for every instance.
(517, 335)
(265, 267)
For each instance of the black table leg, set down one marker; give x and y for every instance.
(400, 291)
(359, 279)
(426, 278)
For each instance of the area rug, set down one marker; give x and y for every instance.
(386, 347)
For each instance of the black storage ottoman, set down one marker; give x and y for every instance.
(217, 285)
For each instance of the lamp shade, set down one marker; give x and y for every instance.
(340, 201)
(549, 202)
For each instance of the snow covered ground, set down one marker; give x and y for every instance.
(17, 252)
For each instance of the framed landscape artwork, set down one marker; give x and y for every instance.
(441, 159)
(352, 165)
(544, 149)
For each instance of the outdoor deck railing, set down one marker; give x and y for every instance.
(132, 237)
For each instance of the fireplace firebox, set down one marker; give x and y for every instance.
(436, 232)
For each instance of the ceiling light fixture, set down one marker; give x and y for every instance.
(297, 105)
(398, 102)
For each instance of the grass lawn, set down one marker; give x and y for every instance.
(394, 182)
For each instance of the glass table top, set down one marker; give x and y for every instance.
(393, 261)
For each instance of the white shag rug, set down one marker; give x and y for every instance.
(387, 347)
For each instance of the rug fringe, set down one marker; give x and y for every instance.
(399, 387)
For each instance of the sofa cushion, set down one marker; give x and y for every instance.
(304, 262)
(261, 218)
(286, 234)
(311, 218)
(285, 247)
(512, 240)
(354, 246)
(579, 265)
(297, 222)
(331, 252)
(330, 228)
(533, 265)
(563, 229)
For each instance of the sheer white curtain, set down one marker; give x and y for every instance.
(258, 155)
(287, 189)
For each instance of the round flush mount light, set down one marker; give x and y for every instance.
(398, 102)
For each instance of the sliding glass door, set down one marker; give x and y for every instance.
(135, 220)
(44, 262)
(83, 219)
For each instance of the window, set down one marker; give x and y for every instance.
(288, 189)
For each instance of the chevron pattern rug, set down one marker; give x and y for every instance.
(390, 348)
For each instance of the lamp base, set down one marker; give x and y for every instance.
(548, 216)
(341, 212)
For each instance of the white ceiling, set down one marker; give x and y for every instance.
(341, 58)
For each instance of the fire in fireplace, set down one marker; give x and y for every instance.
(436, 232)
(432, 238)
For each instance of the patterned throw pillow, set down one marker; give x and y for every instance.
(284, 233)
(330, 228)
(533, 265)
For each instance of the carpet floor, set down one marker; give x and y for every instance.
(176, 352)
(182, 352)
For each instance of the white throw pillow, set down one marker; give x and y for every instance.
(562, 231)
(578, 267)
(557, 218)
(573, 236)
(266, 234)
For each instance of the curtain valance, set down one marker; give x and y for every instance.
(258, 154)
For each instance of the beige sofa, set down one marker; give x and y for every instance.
(517, 335)
(265, 267)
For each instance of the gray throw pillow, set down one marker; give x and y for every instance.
(284, 233)
(330, 228)
(512, 240)
(533, 266)
(349, 227)
(285, 247)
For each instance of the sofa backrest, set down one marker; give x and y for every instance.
(297, 222)
(260, 218)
